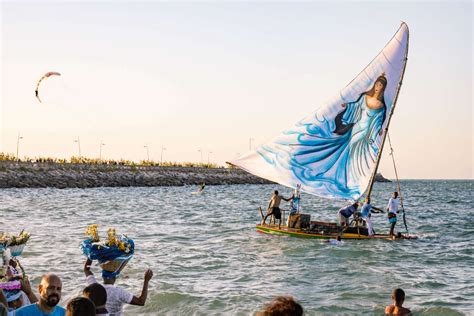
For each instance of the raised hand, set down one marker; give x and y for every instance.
(148, 275)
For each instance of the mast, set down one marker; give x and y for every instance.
(379, 155)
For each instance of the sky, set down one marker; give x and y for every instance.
(214, 78)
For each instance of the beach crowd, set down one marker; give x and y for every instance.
(109, 299)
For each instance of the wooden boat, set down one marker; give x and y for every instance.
(317, 229)
(335, 152)
(351, 233)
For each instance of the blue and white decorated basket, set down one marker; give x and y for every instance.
(17, 250)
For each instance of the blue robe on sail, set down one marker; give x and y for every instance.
(332, 155)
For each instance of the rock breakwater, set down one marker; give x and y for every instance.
(56, 175)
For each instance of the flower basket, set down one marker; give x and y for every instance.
(112, 265)
(3, 242)
(10, 285)
(16, 243)
(112, 254)
(17, 250)
(115, 266)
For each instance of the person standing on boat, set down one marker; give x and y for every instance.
(367, 208)
(346, 212)
(392, 209)
(274, 207)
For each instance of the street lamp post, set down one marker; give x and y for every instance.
(78, 141)
(200, 150)
(100, 150)
(18, 145)
(250, 143)
(208, 154)
(147, 152)
(162, 149)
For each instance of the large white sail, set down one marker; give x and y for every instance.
(333, 152)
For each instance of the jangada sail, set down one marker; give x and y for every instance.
(334, 152)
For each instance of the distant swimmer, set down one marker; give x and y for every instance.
(346, 212)
(401, 236)
(274, 207)
(201, 188)
(398, 297)
(337, 241)
(392, 209)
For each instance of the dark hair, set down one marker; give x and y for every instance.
(96, 293)
(398, 295)
(381, 79)
(80, 306)
(342, 128)
(276, 192)
(338, 238)
(283, 306)
(356, 204)
(396, 194)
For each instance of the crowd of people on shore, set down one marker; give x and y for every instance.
(96, 299)
(108, 299)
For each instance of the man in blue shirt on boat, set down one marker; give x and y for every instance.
(367, 208)
(346, 212)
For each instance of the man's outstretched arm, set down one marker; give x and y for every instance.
(378, 210)
(142, 298)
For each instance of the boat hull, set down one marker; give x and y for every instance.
(300, 233)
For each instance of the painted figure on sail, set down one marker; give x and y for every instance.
(331, 153)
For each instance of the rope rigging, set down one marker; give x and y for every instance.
(398, 182)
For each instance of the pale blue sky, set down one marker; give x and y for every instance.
(211, 75)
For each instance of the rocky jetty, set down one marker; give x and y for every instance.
(56, 175)
(60, 175)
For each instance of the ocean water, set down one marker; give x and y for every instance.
(208, 259)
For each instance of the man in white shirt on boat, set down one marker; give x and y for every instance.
(392, 209)
(367, 208)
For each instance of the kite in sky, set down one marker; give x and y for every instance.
(46, 75)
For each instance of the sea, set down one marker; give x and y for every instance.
(208, 259)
